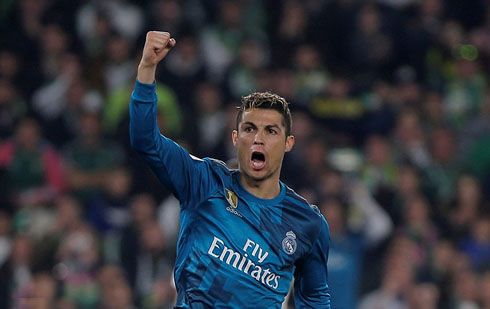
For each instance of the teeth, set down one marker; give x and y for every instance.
(257, 164)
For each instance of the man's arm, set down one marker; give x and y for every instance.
(157, 46)
(311, 276)
(186, 176)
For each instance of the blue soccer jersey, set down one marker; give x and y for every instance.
(235, 250)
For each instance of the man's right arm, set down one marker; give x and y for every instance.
(186, 176)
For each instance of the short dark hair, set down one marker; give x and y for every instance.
(266, 100)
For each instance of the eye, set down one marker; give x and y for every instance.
(272, 131)
(248, 129)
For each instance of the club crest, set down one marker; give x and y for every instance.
(289, 243)
(231, 198)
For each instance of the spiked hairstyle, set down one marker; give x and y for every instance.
(266, 100)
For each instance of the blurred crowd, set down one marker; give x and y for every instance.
(391, 113)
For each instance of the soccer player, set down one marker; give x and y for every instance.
(244, 234)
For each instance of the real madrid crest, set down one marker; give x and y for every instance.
(289, 243)
(231, 198)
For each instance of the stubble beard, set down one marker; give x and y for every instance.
(258, 179)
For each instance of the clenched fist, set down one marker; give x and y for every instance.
(156, 47)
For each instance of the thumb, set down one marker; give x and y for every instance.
(164, 51)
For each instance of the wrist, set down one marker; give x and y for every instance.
(146, 73)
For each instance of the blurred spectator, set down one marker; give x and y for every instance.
(34, 170)
(464, 93)
(349, 242)
(116, 116)
(380, 169)
(5, 236)
(78, 255)
(418, 225)
(12, 108)
(108, 210)
(475, 132)
(117, 12)
(312, 75)
(62, 100)
(142, 210)
(116, 293)
(465, 289)
(241, 75)
(424, 296)
(185, 68)
(444, 168)
(42, 294)
(410, 140)
(119, 68)
(485, 289)
(16, 273)
(94, 29)
(466, 208)
(152, 262)
(90, 158)
(207, 125)
(169, 218)
(290, 32)
(338, 110)
(477, 245)
(167, 15)
(220, 41)
(371, 49)
(396, 284)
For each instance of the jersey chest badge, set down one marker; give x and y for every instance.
(231, 198)
(289, 244)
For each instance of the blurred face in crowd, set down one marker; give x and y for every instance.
(443, 146)
(117, 294)
(69, 213)
(417, 211)
(28, 134)
(90, 127)
(332, 210)
(120, 183)
(261, 142)
(152, 237)
(377, 150)
(468, 190)
(142, 209)
(424, 296)
(408, 181)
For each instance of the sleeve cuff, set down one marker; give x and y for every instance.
(144, 92)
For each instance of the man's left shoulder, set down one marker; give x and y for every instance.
(294, 198)
(304, 212)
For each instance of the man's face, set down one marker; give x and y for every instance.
(261, 142)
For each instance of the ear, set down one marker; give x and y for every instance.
(289, 143)
(234, 137)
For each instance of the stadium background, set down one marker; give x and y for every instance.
(391, 110)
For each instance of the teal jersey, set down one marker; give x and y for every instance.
(235, 250)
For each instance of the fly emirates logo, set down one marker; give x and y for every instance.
(243, 263)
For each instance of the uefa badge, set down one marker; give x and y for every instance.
(289, 243)
(231, 198)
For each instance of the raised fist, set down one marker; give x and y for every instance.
(157, 45)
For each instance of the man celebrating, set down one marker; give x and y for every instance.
(243, 234)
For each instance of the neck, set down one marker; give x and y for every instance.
(266, 189)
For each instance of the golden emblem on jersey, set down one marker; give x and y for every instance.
(232, 198)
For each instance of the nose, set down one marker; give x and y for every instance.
(258, 138)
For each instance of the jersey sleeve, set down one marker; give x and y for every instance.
(311, 276)
(189, 178)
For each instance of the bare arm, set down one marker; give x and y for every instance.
(157, 45)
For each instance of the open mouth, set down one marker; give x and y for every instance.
(258, 160)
